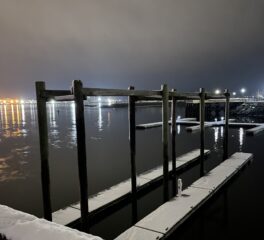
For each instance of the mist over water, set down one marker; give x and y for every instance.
(232, 212)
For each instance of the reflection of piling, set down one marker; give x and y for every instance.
(44, 153)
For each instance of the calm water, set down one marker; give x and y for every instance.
(233, 213)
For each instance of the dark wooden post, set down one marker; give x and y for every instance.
(173, 142)
(81, 149)
(202, 118)
(132, 142)
(225, 152)
(44, 152)
(165, 127)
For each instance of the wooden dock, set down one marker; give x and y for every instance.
(183, 121)
(71, 213)
(194, 126)
(169, 216)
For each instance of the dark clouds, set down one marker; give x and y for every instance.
(116, 43)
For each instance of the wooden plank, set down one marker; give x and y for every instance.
(187, 121)
(119, 92)
(167, 215)
(64, 98)
(173, 213)
(72, 213)
(255, 130)
(137, 233)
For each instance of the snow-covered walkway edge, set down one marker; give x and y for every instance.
(16, 225)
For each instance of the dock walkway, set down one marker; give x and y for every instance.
(71, 213)
(165, 219)
(194, 126)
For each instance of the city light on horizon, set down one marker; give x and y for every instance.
(217, 91)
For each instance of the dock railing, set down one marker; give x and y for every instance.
(78, 94)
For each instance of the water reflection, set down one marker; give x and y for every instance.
(72, 134)
(241, 138)
(52, 116)
(5, 116)
(178, 129)
(221, 131)
(23, 114)
(216, 134)
(13, 115)
(100, 121)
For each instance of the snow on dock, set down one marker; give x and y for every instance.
(187, 121)
(70, 214)
(17, 225)
(194, 126)
(255, 130)
(165, 219)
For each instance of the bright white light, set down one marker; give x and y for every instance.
(217, 91)
(215, 119)
(179, 117)
(222, 118)
(52, 101)
(234, 93)
(109, 100)
(22, 101)
(243, 90)
(99, 99)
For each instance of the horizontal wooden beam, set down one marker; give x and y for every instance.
(119, 92)
(64, 98)
(50, 94)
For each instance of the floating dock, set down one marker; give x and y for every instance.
(194, 126)
(186, 121)
(71, 214)
(165, 219)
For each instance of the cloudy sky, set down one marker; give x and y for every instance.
(116, 43)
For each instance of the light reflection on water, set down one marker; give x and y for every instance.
(19, 120)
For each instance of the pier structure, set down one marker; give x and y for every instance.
(84, 210)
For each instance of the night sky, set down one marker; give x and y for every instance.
(116, 43)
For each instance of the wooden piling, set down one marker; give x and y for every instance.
(132, 143)
(173, 142)
(44, 152)
(202, 119)
(225, 150)
(81, 149)
(165, 127)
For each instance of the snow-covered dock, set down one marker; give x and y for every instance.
(165, 219)
(186, 121)
(17, 225)
(255, 130)
(71, 213)
(194, 126)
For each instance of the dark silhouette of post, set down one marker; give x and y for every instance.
(225, 152)
(132, 142)
(165, 128)
(173, 143)
(202, 119)
(81, 149)
(44, 152)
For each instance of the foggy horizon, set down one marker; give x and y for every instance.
(114, 44)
